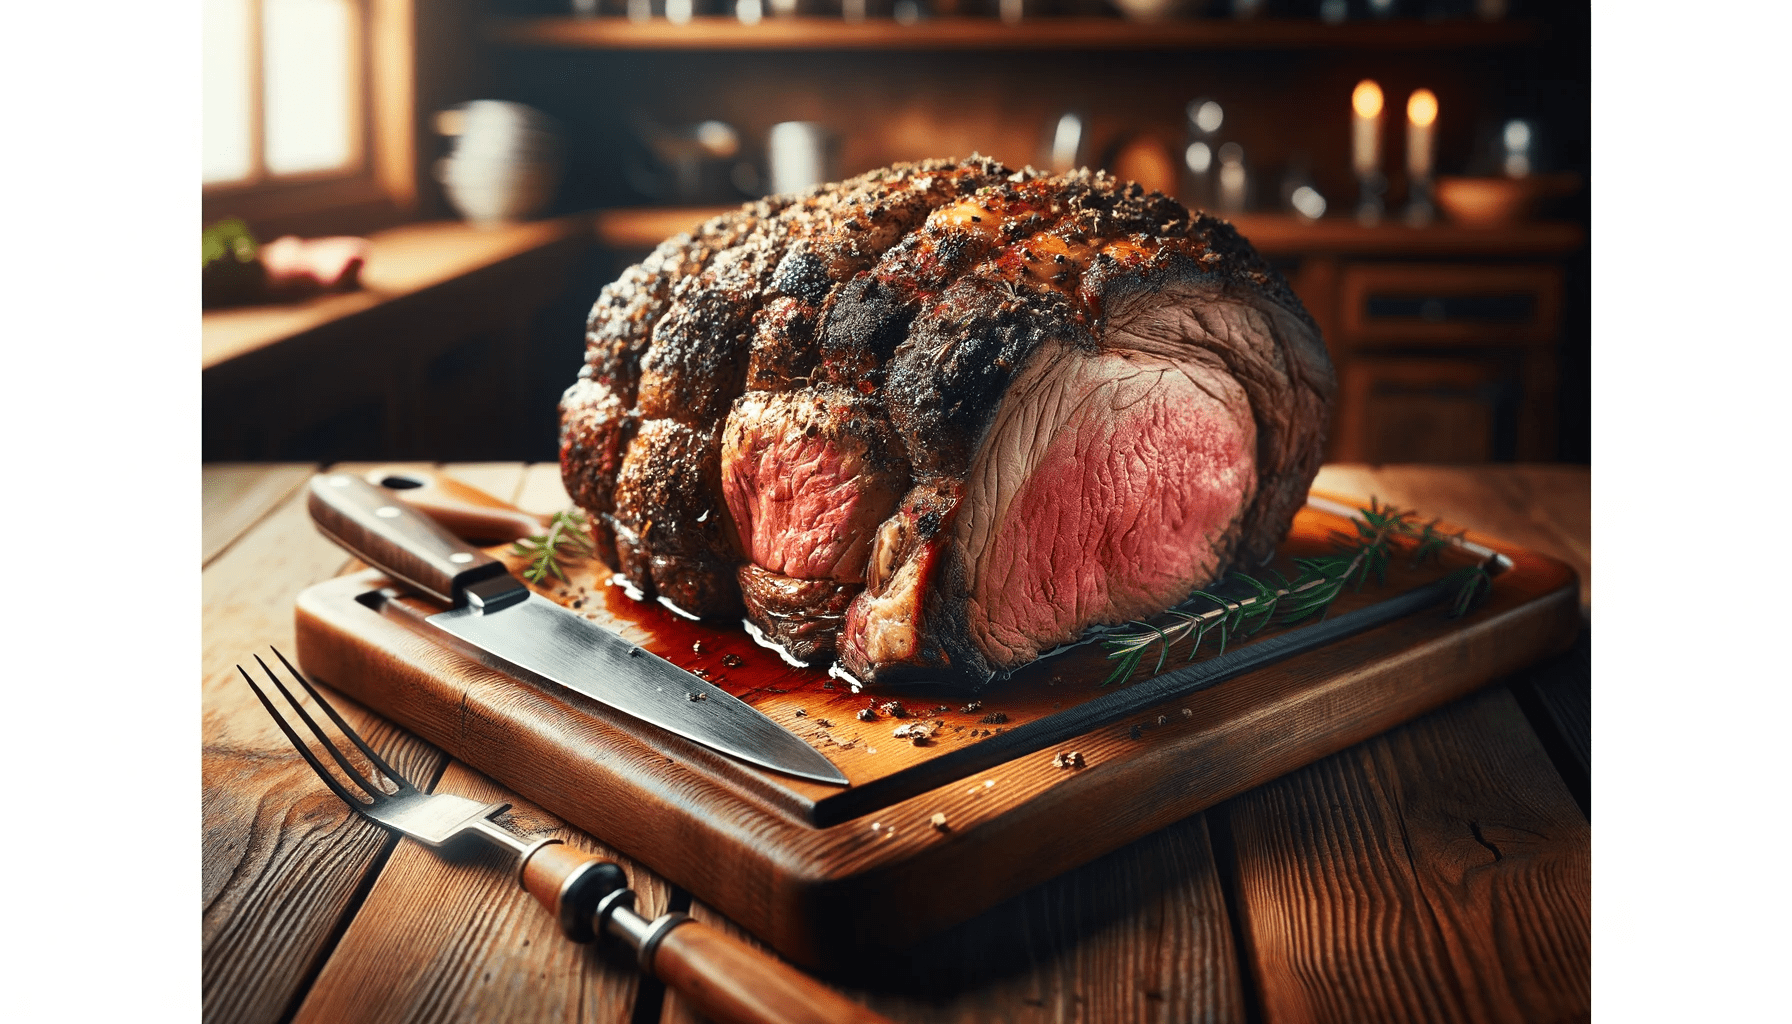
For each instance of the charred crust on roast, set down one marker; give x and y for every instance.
(619, 327)
(698, 361)
(930, 259)
(595, 430)
(1211, 250)
(783, 352)
(916, 590)
(802, 275)
(865, 321)
(670, 522)
(943, 383)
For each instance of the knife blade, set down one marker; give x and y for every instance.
(491, 610)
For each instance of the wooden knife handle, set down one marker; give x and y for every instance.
(728, 980)
(463, 510)
(395, 538)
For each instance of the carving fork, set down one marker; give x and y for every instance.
(725, 979)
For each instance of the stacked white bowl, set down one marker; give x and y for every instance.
(506, 162)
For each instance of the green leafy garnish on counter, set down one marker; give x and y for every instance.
(568, 539)
(230, 241)
(1284, 601)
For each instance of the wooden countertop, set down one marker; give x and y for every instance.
(401, 261)
(1438, 872)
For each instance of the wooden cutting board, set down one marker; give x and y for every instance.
(826, 874)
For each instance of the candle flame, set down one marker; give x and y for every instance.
(1366, 99)
(1421, 109)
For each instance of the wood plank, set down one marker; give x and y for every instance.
(282, 858)
(1545, 508)
(283, 862)
(449, 936)
(1557, 697)
(541, 490)
(1440, 872)
(1141, 934)
(499, 479)
(234, 497)
(1563, 687)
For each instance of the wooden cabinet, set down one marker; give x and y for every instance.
(1426, 409)
(1451, 360)
(1448, 304)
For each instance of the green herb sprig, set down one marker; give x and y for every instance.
(1358, 555)
(568, 539)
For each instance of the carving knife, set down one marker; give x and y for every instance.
(493, 611)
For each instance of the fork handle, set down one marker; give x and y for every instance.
(728, 980)
(386, 533)
(723, 977)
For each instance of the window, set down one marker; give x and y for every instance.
(307, 108)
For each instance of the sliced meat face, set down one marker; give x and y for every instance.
(1112, 483)
(1274, 354)
(808, 476)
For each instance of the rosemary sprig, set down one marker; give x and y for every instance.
(1321, 580)
(568, 539)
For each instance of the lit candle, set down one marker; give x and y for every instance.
(1421, 153)
(1365, 128)
(1421, 144)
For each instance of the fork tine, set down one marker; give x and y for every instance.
(354, 737)
(355, 776)
(299, 744)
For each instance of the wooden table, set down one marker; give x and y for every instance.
(1439, 872)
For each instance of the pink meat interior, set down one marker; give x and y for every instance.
(803, 488)
(1110, 486)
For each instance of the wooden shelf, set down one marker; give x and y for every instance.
(1286, 235)
(1272, 234)
(726, 33)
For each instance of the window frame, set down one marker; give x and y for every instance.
(379, 186)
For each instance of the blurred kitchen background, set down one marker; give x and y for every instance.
(410, 205)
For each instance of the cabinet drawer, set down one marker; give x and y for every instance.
(1418, 303)
(1420, 409)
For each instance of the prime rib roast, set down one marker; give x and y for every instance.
(941, 418)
